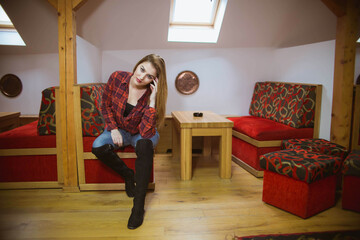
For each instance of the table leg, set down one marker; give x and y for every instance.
(225, 153)
(175, 142)
(186, 153)
(207, 146)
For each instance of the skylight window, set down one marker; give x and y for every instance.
(8, 33)
(196, 21)
(194, 12)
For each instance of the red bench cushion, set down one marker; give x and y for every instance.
(264, 129)
(26, 137)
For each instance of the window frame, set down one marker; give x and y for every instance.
(197, 32)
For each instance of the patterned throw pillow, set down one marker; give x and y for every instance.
(47, 124)
(290, 104)
(91, 119)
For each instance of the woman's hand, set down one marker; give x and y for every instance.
(153, 87)
(116, 137)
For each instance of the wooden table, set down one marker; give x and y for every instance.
(9, 120)
(210, 124)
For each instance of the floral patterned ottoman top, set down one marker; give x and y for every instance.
(316, 145)
(352, 164)
(301, 164)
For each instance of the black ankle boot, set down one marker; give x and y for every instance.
(143, 167)
(107, 155)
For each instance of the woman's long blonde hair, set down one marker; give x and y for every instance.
(162, 91)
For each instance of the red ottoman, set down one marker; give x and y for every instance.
(351, 182)
(320, 146)
(300, 182)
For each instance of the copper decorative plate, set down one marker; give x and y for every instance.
(187, 82)
(10, 85)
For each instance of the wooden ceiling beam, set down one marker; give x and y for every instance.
(78, 4)
(344, 68)
(54, 3)
(336, 6)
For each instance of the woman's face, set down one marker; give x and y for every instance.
(144, 74)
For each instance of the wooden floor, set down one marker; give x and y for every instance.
(205, 208)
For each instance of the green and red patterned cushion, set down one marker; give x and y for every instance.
(316, 145)
(301, 164)
(91, 119)
(290, 104)
(46, 123)
(351, 165)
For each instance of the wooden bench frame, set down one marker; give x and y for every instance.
(277, 143)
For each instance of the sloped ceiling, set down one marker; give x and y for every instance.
(143, 24)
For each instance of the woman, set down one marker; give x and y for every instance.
(133, 106)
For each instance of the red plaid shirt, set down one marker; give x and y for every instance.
(141, 119)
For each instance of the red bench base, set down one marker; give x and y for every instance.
(351, 193)
(298, 197)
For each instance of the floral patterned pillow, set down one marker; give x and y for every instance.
(91, 119)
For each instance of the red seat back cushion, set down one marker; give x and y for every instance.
(263, 129)
(291, 104)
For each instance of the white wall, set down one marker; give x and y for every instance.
(227, 76)
(88, 62)
(313, 63)
(37, 72)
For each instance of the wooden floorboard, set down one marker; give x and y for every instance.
(206, 207)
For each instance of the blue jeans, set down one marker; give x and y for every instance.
(128, 139)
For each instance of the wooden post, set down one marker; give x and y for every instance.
(67, 71)
(347, 12)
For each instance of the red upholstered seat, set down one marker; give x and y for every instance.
(22, 168)
(26, 137)
(263, 129)
(351, 182)
(278, 111)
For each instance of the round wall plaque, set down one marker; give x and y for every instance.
(10, 85)
(187, 82)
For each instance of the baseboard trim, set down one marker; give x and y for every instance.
(253, 171)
